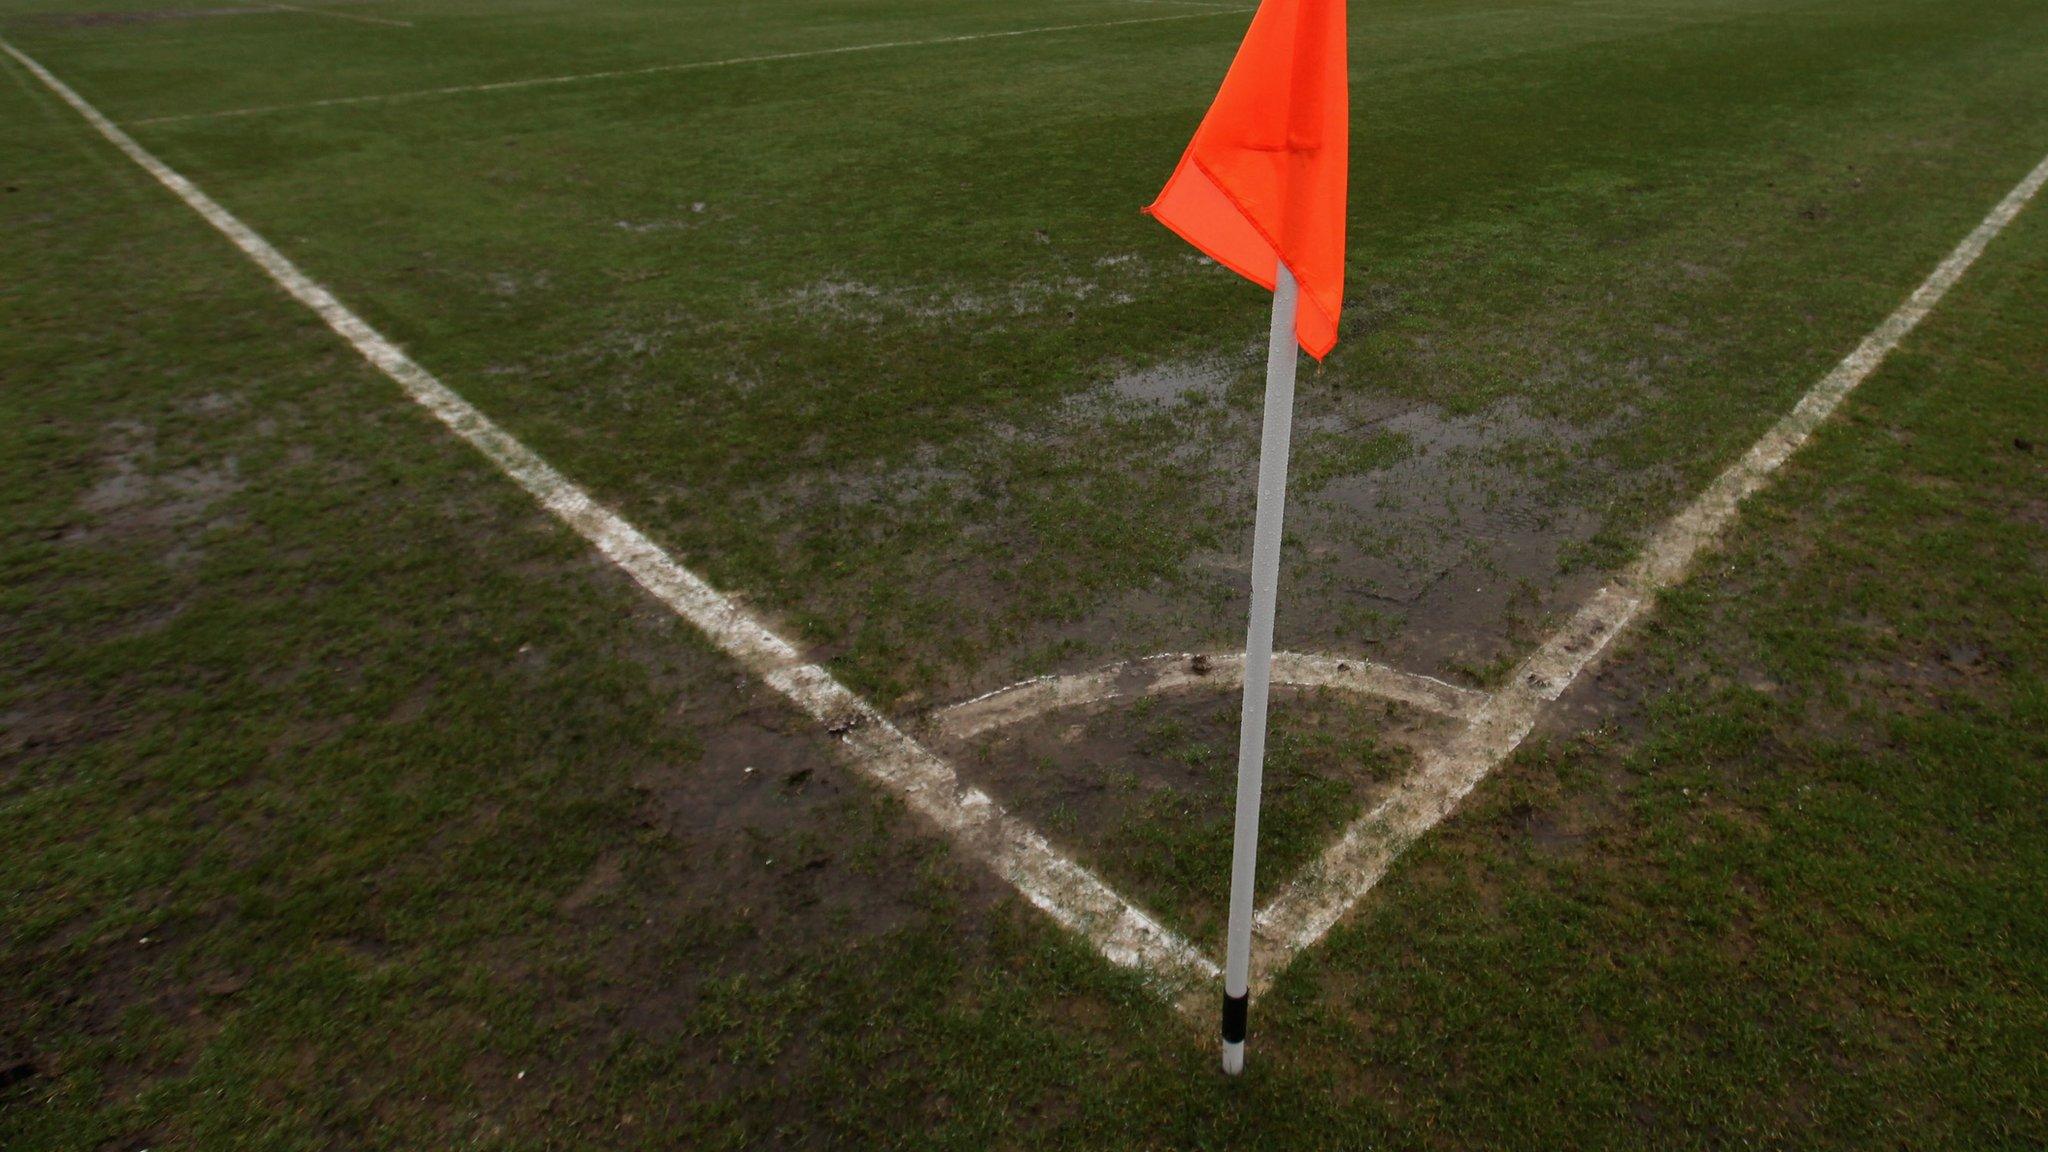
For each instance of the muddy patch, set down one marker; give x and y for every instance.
(1441, 541)
(771, 828)
(136, 500)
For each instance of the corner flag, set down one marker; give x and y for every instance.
(1261, 190)
(1262, 183)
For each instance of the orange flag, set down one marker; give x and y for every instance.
(1263, 180)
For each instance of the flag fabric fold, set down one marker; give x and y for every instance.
(1263, 181)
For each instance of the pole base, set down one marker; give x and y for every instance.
(1235, 1011)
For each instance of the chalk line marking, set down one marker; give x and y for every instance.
(337, 15)
(655, 69)
(1189, 671)
(1069, 893)
(1189, 4)
(1307, 906)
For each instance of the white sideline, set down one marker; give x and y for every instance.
(1069, 893)
(1310, 904)
(1184, 671)
(339, 15)
(684, 66)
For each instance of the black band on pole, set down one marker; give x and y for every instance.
(1236, 1009)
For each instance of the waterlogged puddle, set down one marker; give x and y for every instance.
(1448, 549)
(847, 300)
(919, 482)
(1167, 384)
(1394, 531)
(1117, 524)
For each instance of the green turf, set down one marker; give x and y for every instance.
(409, 795)
(863, 383)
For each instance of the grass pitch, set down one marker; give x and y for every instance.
(350, 802)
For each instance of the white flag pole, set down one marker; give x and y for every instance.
(1258, 663)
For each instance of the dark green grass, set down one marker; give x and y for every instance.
(409, 796)
(848, 386)
(1780, 893)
